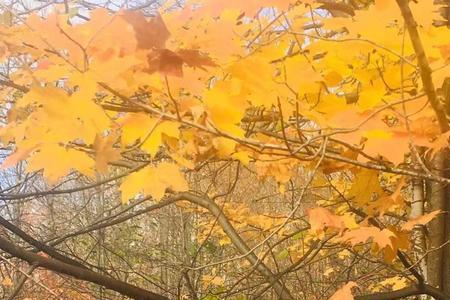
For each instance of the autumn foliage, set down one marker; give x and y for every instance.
(341, 102)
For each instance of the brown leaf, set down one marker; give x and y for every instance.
(171, 63)
(151, 33)
(165, 61)
(195, 59)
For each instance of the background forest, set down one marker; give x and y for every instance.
(225, 149)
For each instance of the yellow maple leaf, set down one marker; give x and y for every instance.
(153, 181)
(225, 106)
(365, 187)
(242, 156)
(396, 282)
(224, 146)
(147, 130)
(371, 95)
(56, 161)
(105, 152)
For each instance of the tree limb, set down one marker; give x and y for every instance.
(79, 273)
(424, 66)
(38, 244)
(238, 242)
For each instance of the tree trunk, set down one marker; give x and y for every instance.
(446, 216)
(418, 234)
(438, 258)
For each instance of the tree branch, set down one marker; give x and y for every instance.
(424, 66)
(238, 242)
(39, 245)
(79, 273)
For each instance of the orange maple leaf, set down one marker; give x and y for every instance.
(345, 292)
